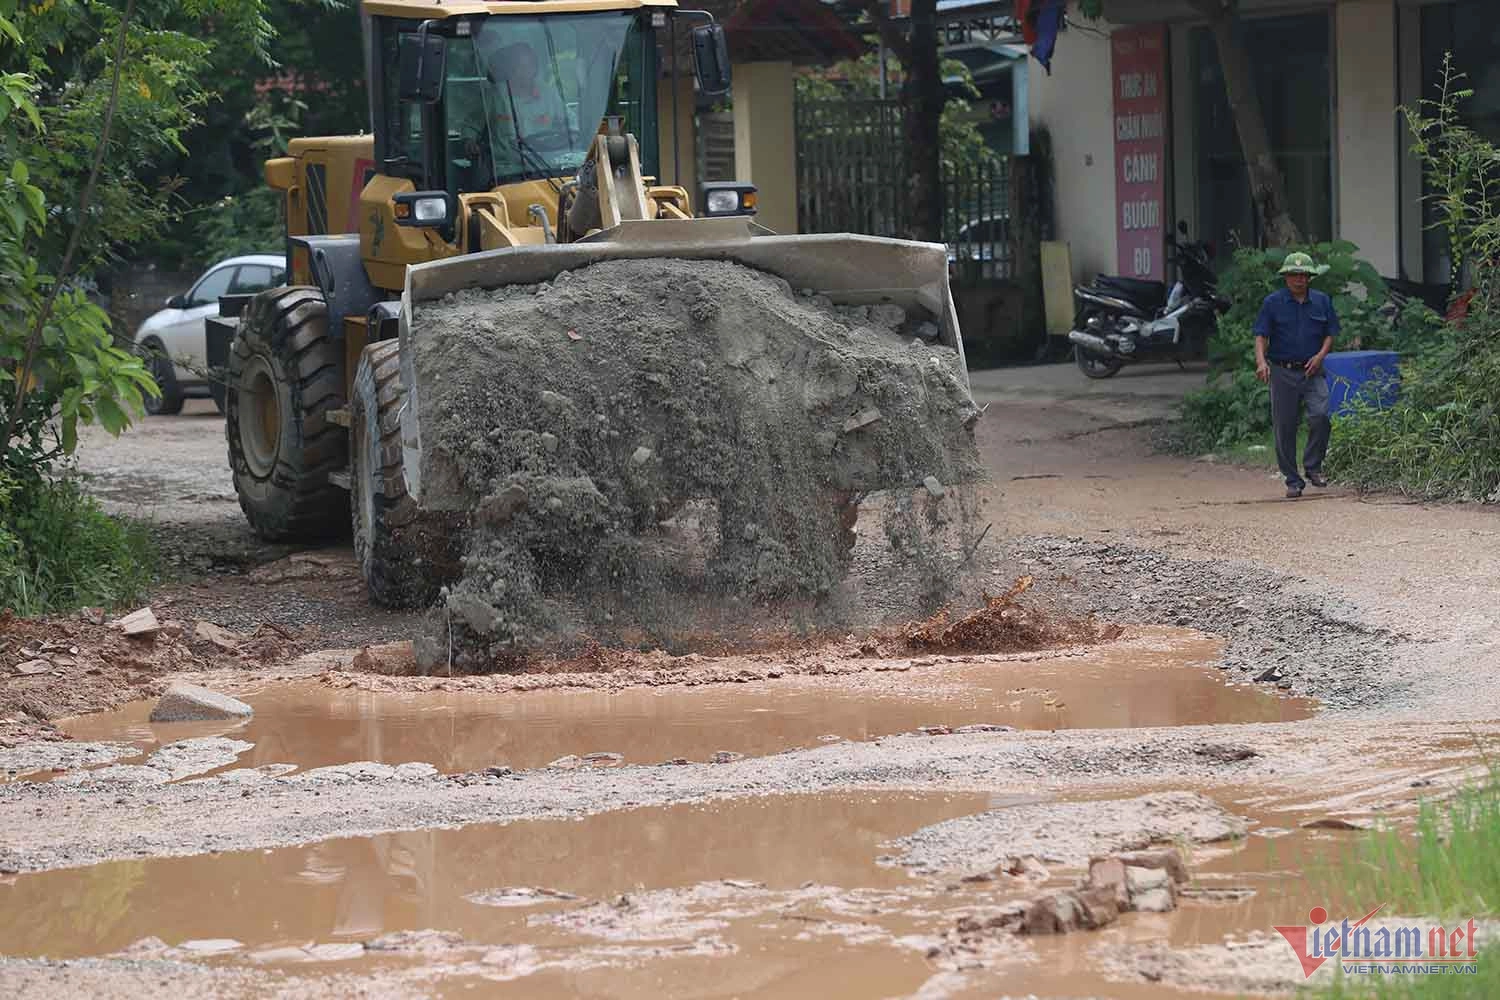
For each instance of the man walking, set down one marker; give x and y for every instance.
(1293, 334)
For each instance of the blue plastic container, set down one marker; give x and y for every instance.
(1372, 377)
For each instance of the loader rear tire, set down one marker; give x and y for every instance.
(285, 375)
(405, 554)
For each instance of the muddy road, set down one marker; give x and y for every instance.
(1242, 679)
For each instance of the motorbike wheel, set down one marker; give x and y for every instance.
(1094, 366)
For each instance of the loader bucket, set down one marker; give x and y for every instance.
(847, 269)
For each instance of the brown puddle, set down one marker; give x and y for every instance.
(773, 896)
(1164, 682)
(356, 889)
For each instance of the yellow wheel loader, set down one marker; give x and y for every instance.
(506, 148)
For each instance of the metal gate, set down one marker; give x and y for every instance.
(851, 167)
(852, 178)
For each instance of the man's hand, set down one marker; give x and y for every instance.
(1313, 366)
(1262, 370)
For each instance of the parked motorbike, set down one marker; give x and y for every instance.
(1122, 320)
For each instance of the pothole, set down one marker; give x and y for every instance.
(1161, 682)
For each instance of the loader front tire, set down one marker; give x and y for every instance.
(284, 377)
(405, 553)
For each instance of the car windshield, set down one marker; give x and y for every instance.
(525, 97)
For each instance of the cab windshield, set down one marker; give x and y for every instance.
(524, 96)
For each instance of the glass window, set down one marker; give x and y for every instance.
(253, 278)
(524, 96)
(403, 125)
(212, 285)
(1289, 57)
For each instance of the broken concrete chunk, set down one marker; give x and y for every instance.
(211, 946)
(28, 667)
(221, 637)
(603, 758)
(863, 418)
(1168, 858)
(641, 456)
(139, 623)
(549, 441)
(1154, 901)
(335, 951)
(1146, 879)
(935, 487)
(1027, 866)
(191, 703)
(1333, 823)
(554, 400)
(742, 883)
(1099, 907)
(1059, 913)
(1109, 873)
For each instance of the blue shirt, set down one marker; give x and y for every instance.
(1296, 329)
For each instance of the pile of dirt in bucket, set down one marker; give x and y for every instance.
(639, 430)
(1003, 625)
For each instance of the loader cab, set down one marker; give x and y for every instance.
(513, 97)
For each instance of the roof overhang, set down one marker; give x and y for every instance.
(428, 9)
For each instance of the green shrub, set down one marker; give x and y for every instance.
(1442, 438)
(59, 550)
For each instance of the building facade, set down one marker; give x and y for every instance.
(1142, 134)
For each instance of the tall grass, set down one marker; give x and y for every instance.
(1446, 868)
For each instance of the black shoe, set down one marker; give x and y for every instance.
(1293, 492)
(1316, 478)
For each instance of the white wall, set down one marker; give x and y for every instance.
(1075, 105)
(1365, 119)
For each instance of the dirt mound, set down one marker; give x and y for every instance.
(636, 431)
(1004, 626)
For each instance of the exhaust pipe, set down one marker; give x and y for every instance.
(1090, 342)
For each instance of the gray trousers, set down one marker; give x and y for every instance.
(1289, 390)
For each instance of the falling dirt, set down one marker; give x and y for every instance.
(1003, 625)
(572, 418)
(1161, 680)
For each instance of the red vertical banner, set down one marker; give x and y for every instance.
(1139, 70)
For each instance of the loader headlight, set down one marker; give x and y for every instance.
(728, 198)
(428, 209)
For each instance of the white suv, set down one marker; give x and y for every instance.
(173, 339)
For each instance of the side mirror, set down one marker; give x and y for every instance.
(711, 59)
(424, 60)
(1182, 226)
(177, 302)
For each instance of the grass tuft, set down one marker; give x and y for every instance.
(59, 550)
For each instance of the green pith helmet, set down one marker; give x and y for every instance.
(1301, 263)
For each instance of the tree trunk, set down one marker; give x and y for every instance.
(1266, 186)
(923, 99)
